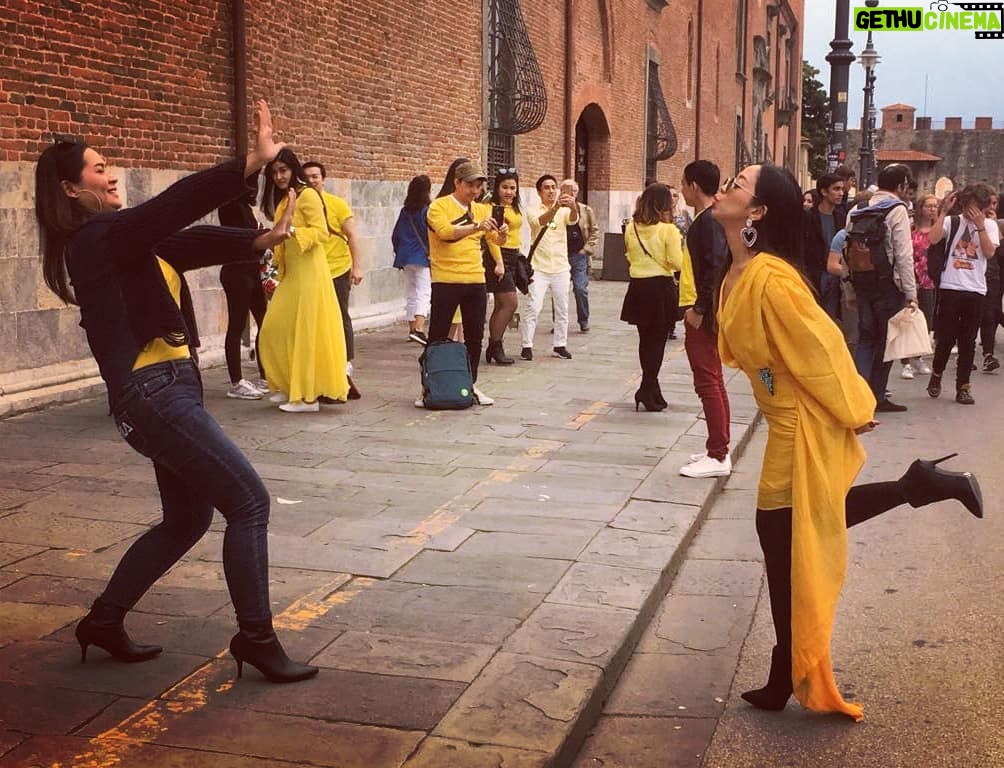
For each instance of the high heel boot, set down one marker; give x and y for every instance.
(103, 627)
(260, 648)
(645, 396)
(924, 483)
(774, 696)
(657, 394)
(495, 354)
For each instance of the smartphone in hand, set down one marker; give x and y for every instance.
(498, 214)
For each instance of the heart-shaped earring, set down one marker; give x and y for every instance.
(748, 234)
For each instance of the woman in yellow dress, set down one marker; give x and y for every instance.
(815, 405)
(301, 342)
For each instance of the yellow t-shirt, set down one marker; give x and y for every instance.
(455, 261)
(514, 239)
(157, 350)
(551, 255)
(337, 248)
(664, 243)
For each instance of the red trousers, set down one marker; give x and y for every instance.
(702, 352)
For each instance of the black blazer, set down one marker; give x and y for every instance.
(816, 248)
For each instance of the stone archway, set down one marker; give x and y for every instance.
(592, 152)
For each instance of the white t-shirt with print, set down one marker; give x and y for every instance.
(966, 265)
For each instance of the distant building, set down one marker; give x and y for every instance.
(963, 155)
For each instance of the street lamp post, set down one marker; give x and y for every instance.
(840, 59)
(869, 59)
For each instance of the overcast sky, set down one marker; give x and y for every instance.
(962, 72)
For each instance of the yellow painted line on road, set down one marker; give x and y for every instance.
(191, 694)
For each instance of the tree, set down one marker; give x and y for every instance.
(815, 119)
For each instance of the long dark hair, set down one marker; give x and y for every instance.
(419, 193)
(780, 230)
(505, 175)
(655, 205)
(59, 216)
(272, 194)
(450, 182)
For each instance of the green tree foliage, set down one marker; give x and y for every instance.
(815, 119)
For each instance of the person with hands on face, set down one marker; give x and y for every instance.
(551, 268)
(126, 268)
(963, 285)
(815, 406)
(457, 224)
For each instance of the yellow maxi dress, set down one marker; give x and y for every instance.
(812, 398)
(302, 344)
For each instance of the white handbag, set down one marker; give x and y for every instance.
(907, 336)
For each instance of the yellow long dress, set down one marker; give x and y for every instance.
(302, 344)
(812, 398)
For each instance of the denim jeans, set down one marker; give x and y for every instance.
(829, 295)
(160, 414)
(580, 287)
(878, 300)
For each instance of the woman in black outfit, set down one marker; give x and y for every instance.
(242, 286)
(125, 269)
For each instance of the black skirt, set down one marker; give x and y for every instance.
(651, 300)
(506, 283)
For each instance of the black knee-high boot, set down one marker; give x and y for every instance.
(773, 528)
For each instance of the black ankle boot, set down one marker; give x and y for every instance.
(103, 627)
(646, 396)
(924, 483)
(495, 354)
(774, 696)
(260, 648)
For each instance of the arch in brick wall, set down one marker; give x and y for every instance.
(592, 149)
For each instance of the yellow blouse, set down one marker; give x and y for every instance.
(812, 398)
(514, 239)
(664, 243)
(157, 350)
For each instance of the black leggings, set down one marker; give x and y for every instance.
(773, 527)
(956, 323)
(473, 303)
(242, 287)
(651, 350)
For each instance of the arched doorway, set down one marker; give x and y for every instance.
(592, 152)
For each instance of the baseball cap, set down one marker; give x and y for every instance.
(469, 172)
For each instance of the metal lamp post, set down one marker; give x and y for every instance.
(839, 59)
(869, 59)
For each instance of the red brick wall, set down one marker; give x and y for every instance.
(148, 83)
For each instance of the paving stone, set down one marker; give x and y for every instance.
(574, 633)
(95, 506)
(550, 508)
(673, 685)
(508, 572)
(53, 529)
(30, 708)
(565, 546)
(12, 553)
(281, 737)
(322, 476)
(57, 665)
(73, 563)
(566, 493)
(27, 621)
(592, 469)
(657, 517)
(650, 742)
(688, 623)
(11, 498)
(54, 591)
(8, 577)
(518, 523)
(407, 656)
(726, 539)
(632, 549)
(522, 701)
(598, 585)
(667, 484)
(718, 577)
(447, 753)
(385, 533)
(337, 695)
(734, 504)
(9, 740)
(392, 595)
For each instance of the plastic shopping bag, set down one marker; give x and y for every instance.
(907, 335)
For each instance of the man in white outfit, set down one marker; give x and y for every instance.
(551, 268)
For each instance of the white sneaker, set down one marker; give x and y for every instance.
(923, 367)
(300, 407)
(481, 398)
(420, 402)
(245, 390)
(697, 456)
(261, 385)
(708, 467)
(907, 372)
(279, 397)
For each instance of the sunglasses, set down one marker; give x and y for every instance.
(733, 183)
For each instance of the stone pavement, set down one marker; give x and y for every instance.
(471, 583)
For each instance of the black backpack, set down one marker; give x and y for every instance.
(865, 248)
(937, 254)
(447, 384)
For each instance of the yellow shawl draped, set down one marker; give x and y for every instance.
(812, 398)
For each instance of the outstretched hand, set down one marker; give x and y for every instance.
(280, 233)
(265, 146)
